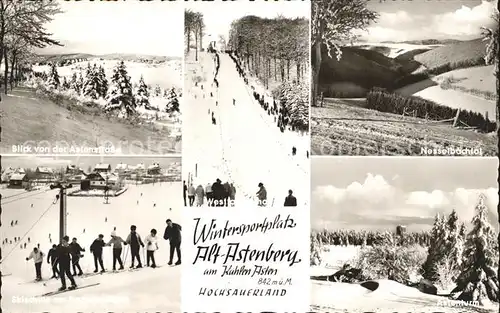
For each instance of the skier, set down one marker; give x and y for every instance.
(173, 234)
(262, 195)
(214, 122)
(63, 252)
(184, 187)
(29, 239)
(191, 193)
(152, 246)
(234, 101)
(216, 103)
(52, 260)
(307, 154)
(135, 242)
(84, 230)
(105, 220)
(290, 200)
(96, 250)
(49, 235)
(76, 250)
(37, 256)
(116, 241)
(11, 223)
(200, 195)
(16, 220)
(294, 151)
(25, 245)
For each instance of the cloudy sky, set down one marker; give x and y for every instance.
(84, 162)
(218, 16)
(380, 193)
(102, 27)
(424, 19)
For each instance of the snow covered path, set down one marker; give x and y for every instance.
(247, 144)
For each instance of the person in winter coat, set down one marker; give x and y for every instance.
(200, 194)
(173, 234)
(218, 192)
(135, 242)
(232, 193)
(52, 260)
(290, 200)
(191, 192)
(262, 195)
(37, 256)
(63, 252)
(152, 246)
(116, 241)
(76, 251)
(209, 194)
(96, 250)
(227, 191)
(184, 192)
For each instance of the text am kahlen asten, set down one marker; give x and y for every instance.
(237, 252)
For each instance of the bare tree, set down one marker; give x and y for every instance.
(491, 55)
(333, 23)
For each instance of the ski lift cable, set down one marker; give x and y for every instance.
(16, 195)
(32, 195)
(27, 232)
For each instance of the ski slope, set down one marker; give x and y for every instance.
(143, 290)
(245, 146)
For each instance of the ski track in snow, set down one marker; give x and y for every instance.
(143, 290)
(245, 146)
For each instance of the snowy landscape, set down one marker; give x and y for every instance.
(385, 239)
(30, 217)
(404, 77)
(249, 112)
(101, 89)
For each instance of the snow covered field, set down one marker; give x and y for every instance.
(143, 290)
(387, 297)
(245, 146)
(397, 48)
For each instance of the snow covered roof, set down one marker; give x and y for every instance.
(44, 169)
(153, 166)
(17, 176)
(109, 176)
(140, 166)
(102, 166)
(121, 166)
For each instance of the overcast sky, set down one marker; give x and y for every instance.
(424, 19)
(103, 27)
(219, 15)
(82, 161)
(380, 193)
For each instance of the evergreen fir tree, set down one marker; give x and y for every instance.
(478, 280)
(90, 85)
(73, 83)
(157, 91)
(103, 82)
(79, 83)
(53, 80)
(65, 84)
(142, 95)
(437, 248)
(173, 102)
(120, 95)
(454, 242)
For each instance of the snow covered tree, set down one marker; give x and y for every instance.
(142, 95)
(332, 24)
(437, 248)
(455, 241)
(173, 101)
(65, 84)
(157, 91)
(90, 84)
(53, 80)
(478, 280)
(120, 95)
(102, 82)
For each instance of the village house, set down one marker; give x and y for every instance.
(154, 169)
(99, 180)
(74, 170)
(18, 181)
(102, 168)
(122, 168)
(44, 173)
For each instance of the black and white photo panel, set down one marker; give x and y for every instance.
(97, 78)
(404, 235)
(404, 78)
(246, 116)
(90, 234)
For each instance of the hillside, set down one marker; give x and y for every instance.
(49, 58)
(466, 52)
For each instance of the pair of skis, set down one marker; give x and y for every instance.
(53, 293)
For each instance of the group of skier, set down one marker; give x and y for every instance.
(215, 194)
(67, 254)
